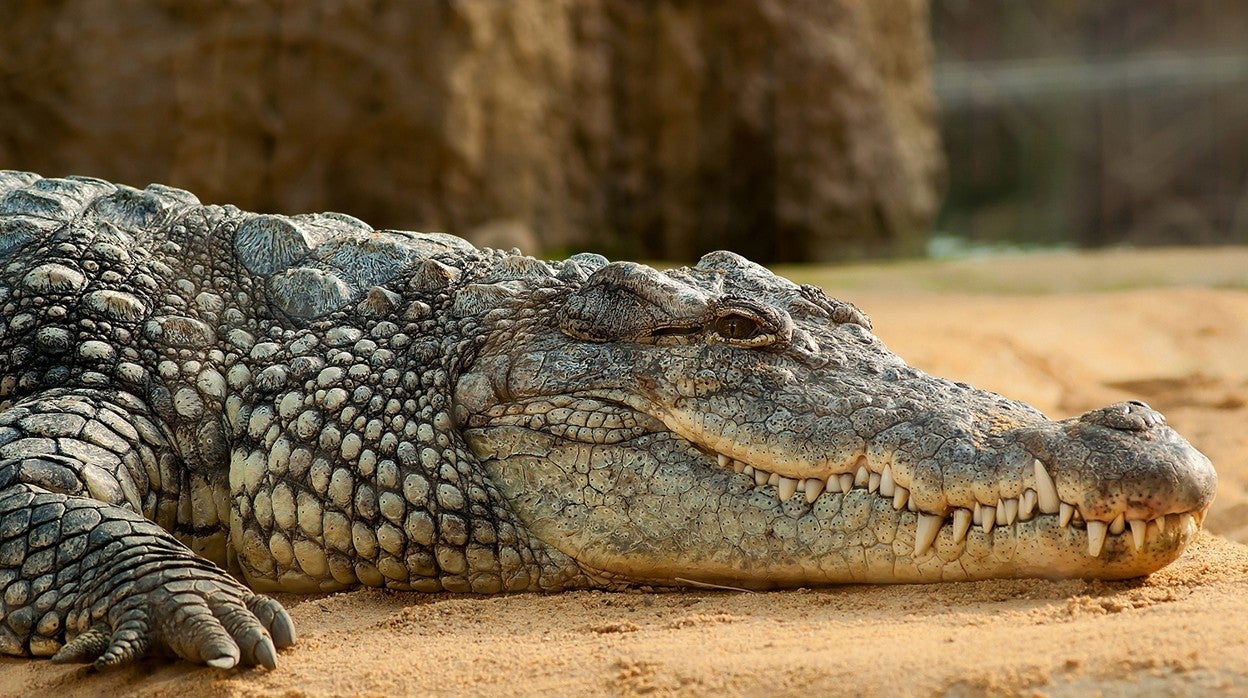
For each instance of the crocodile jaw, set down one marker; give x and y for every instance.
(629, 499)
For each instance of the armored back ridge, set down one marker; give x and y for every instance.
(199, 403)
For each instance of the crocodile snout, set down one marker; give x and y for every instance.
(1123, 461)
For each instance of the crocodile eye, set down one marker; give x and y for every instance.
(734, 326)
(748, 324)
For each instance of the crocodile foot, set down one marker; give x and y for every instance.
(197, 613)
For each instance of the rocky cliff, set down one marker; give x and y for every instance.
(783, 129)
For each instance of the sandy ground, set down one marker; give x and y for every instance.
(1169, 327)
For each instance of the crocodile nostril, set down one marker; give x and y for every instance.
(1126, 416)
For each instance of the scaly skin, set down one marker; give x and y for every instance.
(312, 405)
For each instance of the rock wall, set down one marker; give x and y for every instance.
(784, 129)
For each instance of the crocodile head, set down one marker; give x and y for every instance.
(720, 424)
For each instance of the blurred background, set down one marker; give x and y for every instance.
(789, 131)
(1092, 122)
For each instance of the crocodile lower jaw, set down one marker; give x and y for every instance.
(1043, 501)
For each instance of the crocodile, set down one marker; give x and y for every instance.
(200, 405)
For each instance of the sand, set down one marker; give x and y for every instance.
(1169, 327)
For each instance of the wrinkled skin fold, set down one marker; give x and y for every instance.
(200, 404)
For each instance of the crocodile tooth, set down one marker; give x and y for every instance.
(1119, 524)
(786, 488)
(773, 479)
(1000, 517)
(961, 524)
(760, 477)
(1187, 523)
(748, 470)
(862, 477)
(724, 461)
(978, 515)
(814, 488)
(1011, 511)
(988, 518)
(899, 497)
(926, 531)
(801, 484)
(1138, 527)
(738, 466)
(1027, 505)
(1161, 523)
(1199, 517)
(873, 482)
(1046, 491)
(1096, 537)
(1067, 512)
(887, 486)
(846, 481)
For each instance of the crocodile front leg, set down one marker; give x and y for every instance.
(83, 575)
(116, 586)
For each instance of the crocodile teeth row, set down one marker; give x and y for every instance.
(988, 517)
(787, 487)
(812, 487)
(1043, 499)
